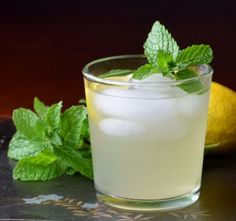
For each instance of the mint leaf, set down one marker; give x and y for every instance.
(72, 124)
(28, 123)
(185, 74)
(52, 117)
(116, 72)
(145, 71)
(21, 147)
(85, 135)
(192, 86)
(49, 115)
(195, 55)
(159, 39)
(40, 107)
(44, 166)
(189, 85)
(164, 59)
(86, 153)
(55, 139)
(74, 159)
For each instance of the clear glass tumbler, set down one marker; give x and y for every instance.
(148, 136)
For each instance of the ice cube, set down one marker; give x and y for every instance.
(119, 103)
(132, 104)
(117, 127)
(163, 87)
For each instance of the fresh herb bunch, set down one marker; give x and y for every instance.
(49, 143)
(164, 56)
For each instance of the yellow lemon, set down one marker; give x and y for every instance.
(221, 128)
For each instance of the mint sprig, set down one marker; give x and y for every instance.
(49, 143)
(159, 39)
(163, 56)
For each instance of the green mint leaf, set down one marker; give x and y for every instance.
(192, 86)
(86, 153)
(52, 118)
(195, 55)
(55, 139)
(74, 159)
(40, 108)
(71, 125)
(189, 86)
(44, 166)
(145, 71)
(185, 74)
(116, 72)
(50, 115)
(164, 59)
(159, 39)
(84, 142)
(21, 147)
(84, 135)
(28, 123)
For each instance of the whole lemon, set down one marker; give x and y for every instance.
(221, 126)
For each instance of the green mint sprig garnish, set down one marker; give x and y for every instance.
(49, 143)
(159, 39)
(164, 56)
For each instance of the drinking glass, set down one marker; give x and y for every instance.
(147, 137)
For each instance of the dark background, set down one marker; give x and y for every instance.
(45, 44)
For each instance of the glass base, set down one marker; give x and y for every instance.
(149, 205)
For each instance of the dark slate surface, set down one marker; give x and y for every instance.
(73, 197)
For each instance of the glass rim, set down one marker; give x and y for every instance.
(89, 76)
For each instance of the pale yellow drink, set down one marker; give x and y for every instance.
(146, 143)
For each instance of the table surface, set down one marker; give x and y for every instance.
(73, 197)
